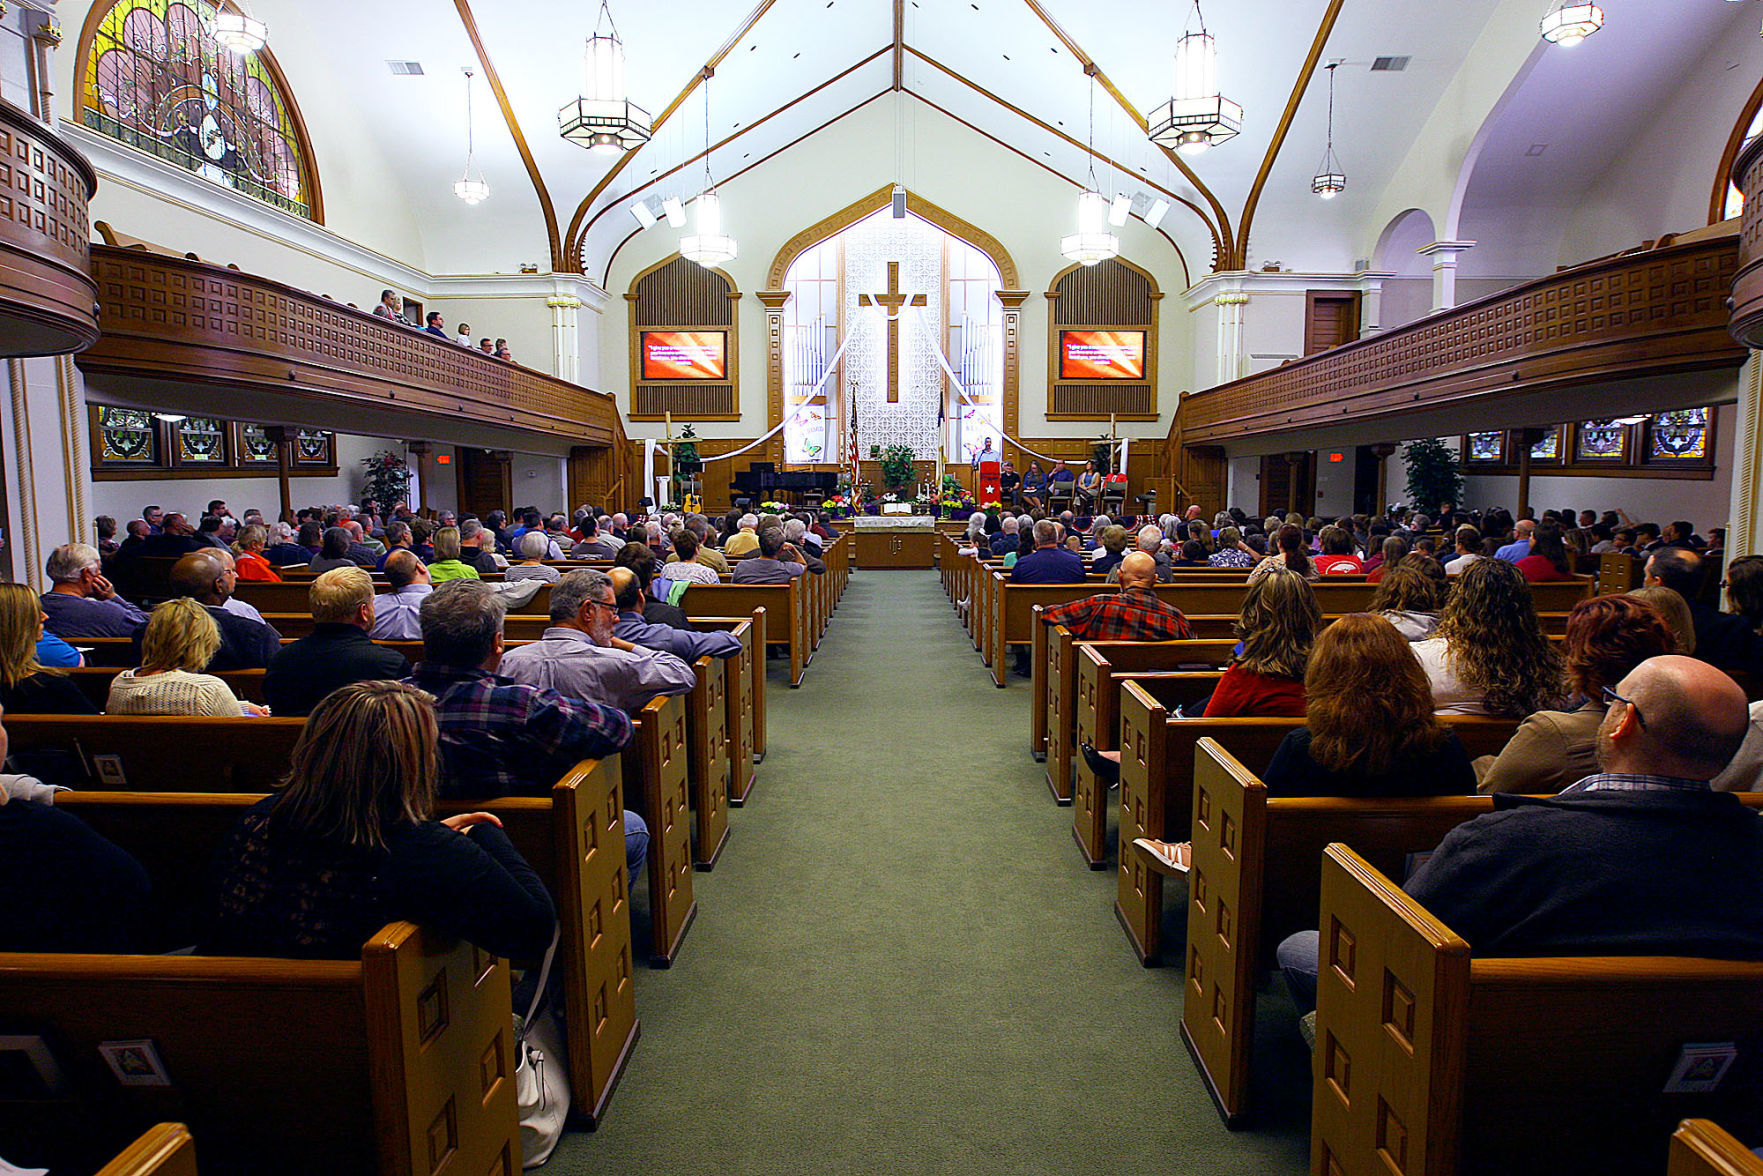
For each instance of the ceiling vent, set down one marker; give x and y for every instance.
(405, 69)
(1389, 64)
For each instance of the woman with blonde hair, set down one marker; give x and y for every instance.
(1676, 611)
(1277, 627)
(1489, 655)
(28, 686)
(351, 843)
(248, 557)
(181, 639)
(447, 565)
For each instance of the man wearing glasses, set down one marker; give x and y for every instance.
(580, 657)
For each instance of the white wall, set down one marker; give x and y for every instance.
(540, 481)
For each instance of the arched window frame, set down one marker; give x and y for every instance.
(85, 93)
(678, 394)
(1735, 143)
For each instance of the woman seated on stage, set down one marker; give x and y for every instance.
(1034, 486)
(1089, 489)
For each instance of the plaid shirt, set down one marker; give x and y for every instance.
(1635, 782)
(1133, 614)
(502, 738)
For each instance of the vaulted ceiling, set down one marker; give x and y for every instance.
(1012, 70)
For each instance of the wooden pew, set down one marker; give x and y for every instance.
(657, 785)
(118, 653)
(1099, 725)
(573, 839)
(517, 628)
(94, 683)
(1430, 1062)
(148, 753)
(745, 694)
(707, 757)
(786, 615)
(165, 1149)
(1703, 1148)
(376, 1065)
(1157, 764)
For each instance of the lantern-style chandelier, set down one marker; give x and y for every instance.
(238, 30)
(472, 191)
(1331, 178)
(1569, 22)
(708, 246)
(604, 119)
(1092, 242)
(1198, 116)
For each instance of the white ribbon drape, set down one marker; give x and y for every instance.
(831, 366)
(936, 346)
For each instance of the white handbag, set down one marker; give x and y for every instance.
(541, 1073)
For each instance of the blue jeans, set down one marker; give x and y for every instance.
(1300, 957)
(636, 842)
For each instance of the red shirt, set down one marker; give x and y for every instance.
(1537, 568)
(1339, 565)
(255, 567)
(1133, 614)
(1243, 693)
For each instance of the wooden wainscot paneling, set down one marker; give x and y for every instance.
(48, 302)
(1747, 287)
(170, 318)
(1644, 313)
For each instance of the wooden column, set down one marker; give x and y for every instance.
(1383, 452)
(420, 450)
(1527, 438)
(283, 438)
(1294, 472)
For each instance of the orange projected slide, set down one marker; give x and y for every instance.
(685, 355)
(1101, 355)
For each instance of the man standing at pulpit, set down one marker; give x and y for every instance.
(985, 453)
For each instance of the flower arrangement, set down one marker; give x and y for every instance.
(839, 506)
(776, 508)
(953, 500)
(993, 507)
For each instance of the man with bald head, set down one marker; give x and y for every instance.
(176, 537)
(207, 577)
(1135, 613)
(1722, 639)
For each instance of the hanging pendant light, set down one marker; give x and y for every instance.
(1092, 242)
(1569, 22)
(1198, 116)
(467, 189)
(708, 246)
(238, 30)
(1331, 178)
(604, 119)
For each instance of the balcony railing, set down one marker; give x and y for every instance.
(1644, 313)
(48, 304)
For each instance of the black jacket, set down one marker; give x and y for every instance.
(245, 644)
(334, 655)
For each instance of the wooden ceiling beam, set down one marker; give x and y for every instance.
(899, 42)
(1239, 258)
(574, 236)
(526, 155)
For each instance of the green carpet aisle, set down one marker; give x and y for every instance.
(901, 964)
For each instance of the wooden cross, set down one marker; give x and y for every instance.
(892, 302)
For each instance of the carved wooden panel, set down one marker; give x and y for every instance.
(685, 401)
(1108, 294)
(1747, 290)
(1111, 295)
(1099, 400)
(187, 319)
(1660, 310)
(682, 293)
(46, 295)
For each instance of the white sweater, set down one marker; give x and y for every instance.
(173, 692)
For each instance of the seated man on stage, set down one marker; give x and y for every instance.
(1135, 613)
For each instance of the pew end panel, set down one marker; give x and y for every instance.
(707, 761)
(1042, 711)
(1144, 726)
(1703, 1148)
(655, 771)
(743, 693)
(1054, 700)
(165, 1149)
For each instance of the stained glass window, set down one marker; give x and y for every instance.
(1679, 436)
(1601, 441)
(1549, 448)
(127, 436)
(158, 81)
(201, 441)
(1490, 447)
(312, 447)
(255, 447)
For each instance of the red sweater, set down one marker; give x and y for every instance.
(1243, 693)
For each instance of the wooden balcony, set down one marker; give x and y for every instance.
(48, 303)
(1641, 314)
(1747, 287)
(168, 318)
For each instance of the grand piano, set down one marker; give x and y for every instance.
(764, 482)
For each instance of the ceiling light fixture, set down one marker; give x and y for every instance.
(1331, 178)
(238, 30)
(467, 189)
(1569, 22)
(604, 119)
(1092, 242)
(1198, 116)
(644, 214)
(709, 246)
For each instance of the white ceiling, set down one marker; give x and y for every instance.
(1000, 46)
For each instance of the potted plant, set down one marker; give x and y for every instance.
(388, 477)
(897, 465)
(1102, 453)
(1433, 474)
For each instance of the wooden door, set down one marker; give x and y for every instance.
(1288, 483)
(485, 481)
(1331, 317)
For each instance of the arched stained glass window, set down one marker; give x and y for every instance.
(157, 80)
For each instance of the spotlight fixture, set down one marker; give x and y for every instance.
(1092, 242)
(239, 31)
(1159, 210)
(170, 418)
(645, 216)
(1331, 178)
(1198, 116)
(675, 211)
(1120, 209)
(709, 246)
(1569, 22)
(472, 191)
(604, 119)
